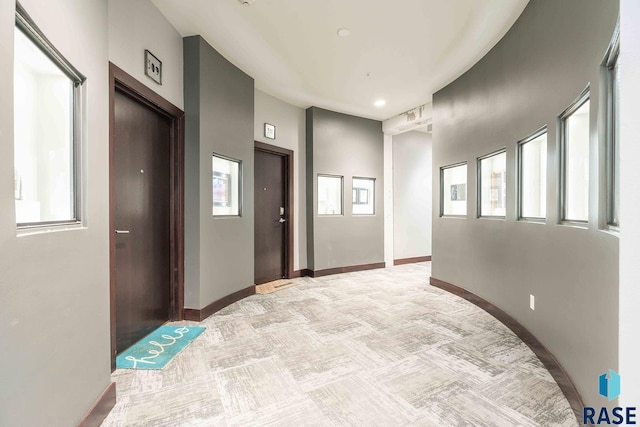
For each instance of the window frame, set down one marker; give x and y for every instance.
(373, 195)
(612, 142)
(238, 192)
(519, 164)
(584, 96)
(317, 201)
(27, 26)
(479, 185)
(442, 192)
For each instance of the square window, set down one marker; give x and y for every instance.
(47, 108)
(363, 196)
(453, 190)
(532, 176)
(226, 186)
(329, 195)
(492, 185)
(574, 176)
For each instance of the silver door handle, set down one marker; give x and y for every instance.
(122, 231)
(281, 220)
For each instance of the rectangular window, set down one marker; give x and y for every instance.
(226, 186)
(363, 196)
(492, 187)
(532, 176)
(329, 195)
(613, 131)
(453, 190)
(47, 132)
(574, 146)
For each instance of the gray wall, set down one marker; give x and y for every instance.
(412, 193)
(552, 52)
(219, 109)
(54, 286)
(290, 134)
(136, 25)
(339, 144)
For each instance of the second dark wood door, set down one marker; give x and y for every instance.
(269, 217)
(142, 219)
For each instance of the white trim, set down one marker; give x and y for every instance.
(388, 200)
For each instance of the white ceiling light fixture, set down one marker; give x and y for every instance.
(344, 32)
(380, 103)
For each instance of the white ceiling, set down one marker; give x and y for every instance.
(401, 51)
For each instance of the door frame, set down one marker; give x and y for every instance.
(125, 83)
(288, 201)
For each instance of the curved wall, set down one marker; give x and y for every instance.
(219, 114)
(536, 71)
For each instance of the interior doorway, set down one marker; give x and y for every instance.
(273, 219)
(146, 205)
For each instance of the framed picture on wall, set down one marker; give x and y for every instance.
(498, 190)
(269, 131)
(153, 67)
(458, 192)
(221, 189)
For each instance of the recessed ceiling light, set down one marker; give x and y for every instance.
(344, 32)
(380, 103)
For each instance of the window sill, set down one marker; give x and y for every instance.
(612, 231)
(578, 225)
(49, 228)
(541, 221)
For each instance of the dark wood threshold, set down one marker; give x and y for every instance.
(348, 269)
(546, 357)
(301, 273)
(198, 315)
(411, 260)
(100, 408)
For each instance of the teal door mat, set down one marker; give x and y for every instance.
(158, 348)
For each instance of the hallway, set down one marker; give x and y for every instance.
(379, 347)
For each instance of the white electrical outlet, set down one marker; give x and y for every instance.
(532, 302)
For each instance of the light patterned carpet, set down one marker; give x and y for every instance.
(374, 348)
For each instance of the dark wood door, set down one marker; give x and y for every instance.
(269, 217)
(141, 197)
